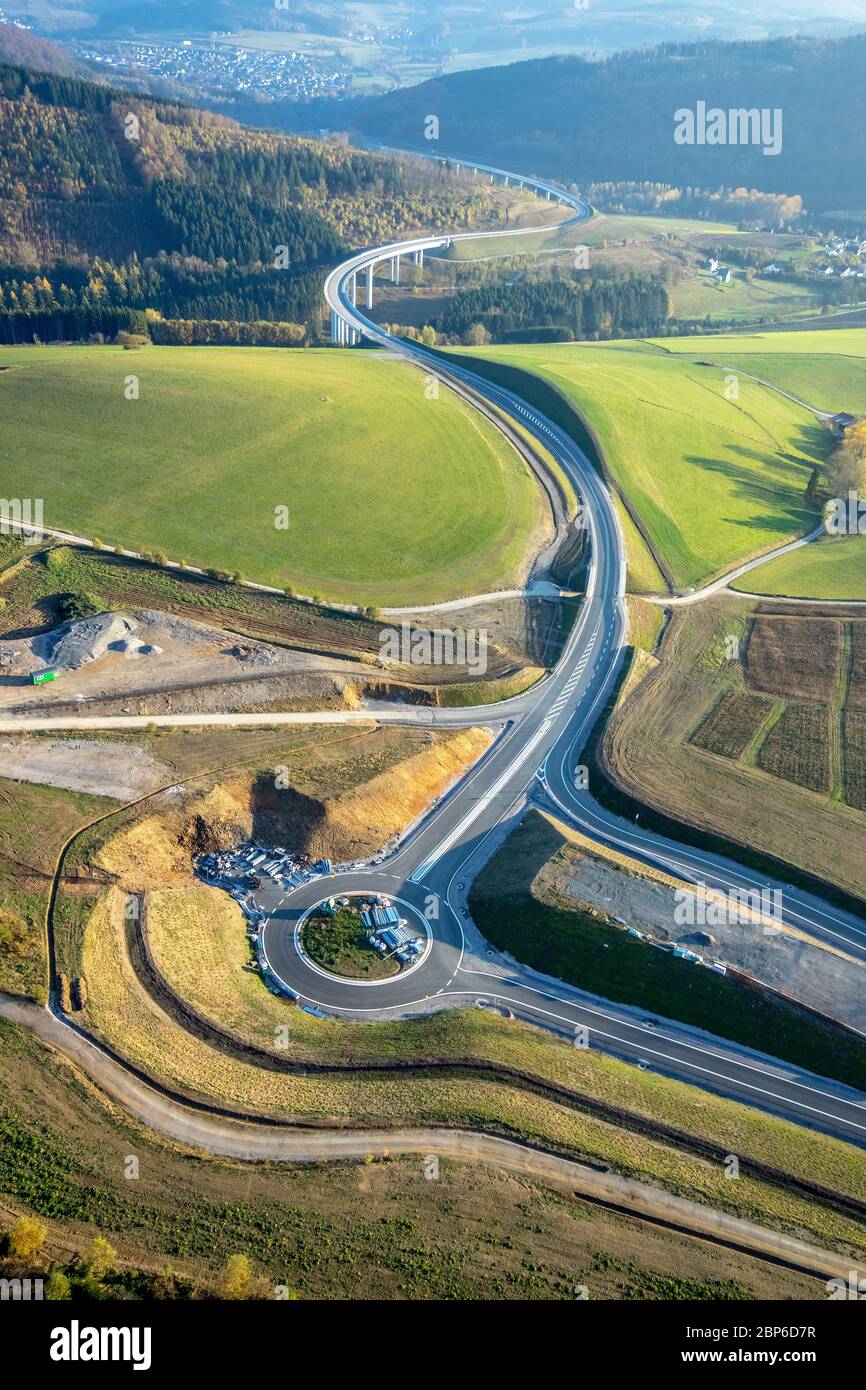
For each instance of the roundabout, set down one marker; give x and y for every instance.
(337, 934)
(426, 916)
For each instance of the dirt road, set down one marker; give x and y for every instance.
(258, 1140)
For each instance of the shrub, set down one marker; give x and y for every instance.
(73, 606)
(57, 1288)
(57, 558)
(236, 1277)
(131, 341)
(100, 1259)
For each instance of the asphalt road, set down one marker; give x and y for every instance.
(540, 736)
(536, 754)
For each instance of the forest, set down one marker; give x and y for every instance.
(584, 122)
(111, 203)
(560, 309)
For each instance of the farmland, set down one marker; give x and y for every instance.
(857, 669)
(732, 725)
(762, 750)
(440, 507)
(797, 747)
(713, 478)
(797, 657)
(826, 370)
(854, 727)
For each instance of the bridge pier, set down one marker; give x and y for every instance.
(370, 285)
(395, 270)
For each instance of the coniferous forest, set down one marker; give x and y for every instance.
(112, 207)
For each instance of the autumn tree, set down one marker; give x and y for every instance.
(26, 1237)
(476, 335)
(236, 1278)
(100, 1259)
(845, 469)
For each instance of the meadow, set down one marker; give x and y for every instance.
(596, 231)
(825, 369)
(831, 569)
(714, 479)
(391, 497)
(700, 295)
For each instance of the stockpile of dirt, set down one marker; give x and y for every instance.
(148, 662)
(158, 848)
(365, 818)
(393, 800)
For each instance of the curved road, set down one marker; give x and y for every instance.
(540, 735)
(535, 753)
(243, 1139)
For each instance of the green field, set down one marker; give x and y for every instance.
(391, 497)
(827, 370)
(714, 481)
(833, 569)
(601, 228)
(700, 295)
(620, 226)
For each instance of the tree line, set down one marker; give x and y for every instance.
(597, 308)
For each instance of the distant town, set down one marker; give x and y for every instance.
(221, 67)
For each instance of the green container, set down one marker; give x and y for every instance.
(41, 677)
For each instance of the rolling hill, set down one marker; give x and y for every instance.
(391, 497)
(581, 121)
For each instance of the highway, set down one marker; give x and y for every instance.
(534, 756)
(539, 737)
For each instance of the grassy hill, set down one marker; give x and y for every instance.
(832, 568)
(826, 370)
(713, 481)
(392, 497)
